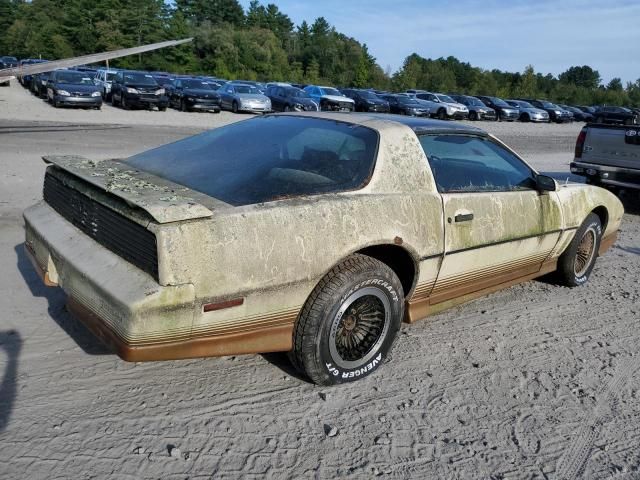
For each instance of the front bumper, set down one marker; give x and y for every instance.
(539, 118)
(376, 108)
(509, 116)
(254, 108)
(458, 115)
(203, 104)
(486, 115)
(71, 101)
(143, 100)
(614, 176)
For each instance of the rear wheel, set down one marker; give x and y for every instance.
(287, 108)
(123, 102)
(442, 114)
(349, 323)
(524, 117)
(577, 261)
(599, 119)
(473, 115)
(234, 107)
(183, 106)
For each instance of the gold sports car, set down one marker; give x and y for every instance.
(309, 233)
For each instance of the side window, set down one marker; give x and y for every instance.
(462, 163)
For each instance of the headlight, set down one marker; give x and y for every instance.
(557, 112)
(95, 94)
(132, 90)
(63, 93)
(160, 91)
(191, 99)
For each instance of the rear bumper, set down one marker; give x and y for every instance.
(126, 308)
(136, 312)
(614, 176)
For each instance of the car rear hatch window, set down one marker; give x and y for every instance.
(268, 158)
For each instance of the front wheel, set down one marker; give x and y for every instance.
(473, 116)
(577, 261)
(348, 325)
(442, 114)
(234, 107)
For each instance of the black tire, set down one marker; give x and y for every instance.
(234, 107)
(162, 109)
(113, 101)
(473, 116)
(442, 114)
(599, 119)
(287, 108)
(525, 117)
(577, 261)
(183, 106)
(123, 102)
(319, 349)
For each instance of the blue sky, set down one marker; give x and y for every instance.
(552, 35)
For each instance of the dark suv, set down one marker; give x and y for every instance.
(366, 100)
(290, 99)
(504, 111)
(137, 89)
(616, 115)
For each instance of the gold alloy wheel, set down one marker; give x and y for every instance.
(585, 252)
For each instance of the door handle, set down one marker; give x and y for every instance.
(463, 217)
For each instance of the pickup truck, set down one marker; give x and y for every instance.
(609, 156)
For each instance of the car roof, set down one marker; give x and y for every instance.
(417, 124)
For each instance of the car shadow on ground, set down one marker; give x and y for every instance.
(11, 344)
(281, 360)
(56, 309)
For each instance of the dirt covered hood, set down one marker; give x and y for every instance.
(165, 201)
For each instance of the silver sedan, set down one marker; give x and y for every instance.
(529, 113)
(240, 97)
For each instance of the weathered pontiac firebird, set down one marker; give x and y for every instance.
(313, 233)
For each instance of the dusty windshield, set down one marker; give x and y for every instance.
(267, 158)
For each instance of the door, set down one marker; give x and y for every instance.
(498, 226)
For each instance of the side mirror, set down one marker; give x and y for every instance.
(544, 183)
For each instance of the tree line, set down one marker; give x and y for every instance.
(263, 43)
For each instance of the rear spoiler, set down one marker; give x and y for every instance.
(165, 201)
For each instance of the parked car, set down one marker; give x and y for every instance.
(556, 114)
(504, 111)
(103, 80)
(529, 113)
(4, 83)
(578, 115)
(25, 80)
(330, 99)
(315, 235)
(261, 87)
(9, 61)
(240, 97)
(477, 109)
(366, 100)
(69, 88)
(133, 89)
(607, 156)
(194, 94)
(39, 83)
(290, 99)
(613, 114)
(406, 105)
(447, 107)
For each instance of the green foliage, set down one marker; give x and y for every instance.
(263, 44)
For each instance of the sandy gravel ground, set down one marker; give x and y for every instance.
(536, 381)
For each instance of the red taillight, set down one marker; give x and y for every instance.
(580, 143)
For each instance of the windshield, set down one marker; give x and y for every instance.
(196, 84)
(286, 156)
(472, 101)
(74, 78)
(548, 105)
(331, 91)
(446, 99)
(367, 94)
(408, 101)
(139, 79)
(296, 92)
(111, 76)
(245, 89)
(499, 102)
